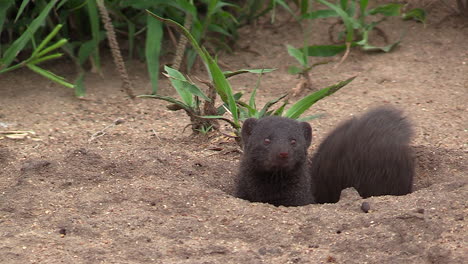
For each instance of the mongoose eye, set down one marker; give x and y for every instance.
(293, 142)
(267, 141)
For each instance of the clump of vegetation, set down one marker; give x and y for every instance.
(204, 116)
(24, 24)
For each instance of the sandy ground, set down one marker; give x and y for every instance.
(146, 192)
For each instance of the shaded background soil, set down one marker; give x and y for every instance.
(146, 191)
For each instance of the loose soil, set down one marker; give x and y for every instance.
(81, 190)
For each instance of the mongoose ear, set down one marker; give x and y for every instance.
(307, 132)
(247, 128)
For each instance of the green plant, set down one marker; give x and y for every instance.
(40, 54)
(213, 24)
(302, 56)
(218, 85)
(205, 130)
(295, 111)
(354, 15)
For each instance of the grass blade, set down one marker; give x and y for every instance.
(49, 75)
(168, 99)
(95, 32)
(80, 90)
(154, 35)
(18, 45)
(232, 73)
(270, 104)
(46, 40)
(305, 103)
(347, 20)
(325, 50)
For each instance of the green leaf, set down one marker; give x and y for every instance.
(347, 19)
(223, 87)
(52, 47)
(305, 103)
(298, 55)
(221, 110)
(21, 9)
(304, 6)
(46, 40)
(280, 110)
(154, 36)
(232, 73)
(325, 50)
(388, 48)
(85, 50)
(168, 99)
(18, 45)
(179, 81)
(387, 10)
(79, 85)
(95, 33)
(417, 14)
(186, 33)
(311, 117)
(294, 70)
(269, 104)
(51, 76)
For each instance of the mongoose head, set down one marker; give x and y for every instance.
(276, 143)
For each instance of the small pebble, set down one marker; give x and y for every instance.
(420, 210)
(62, 231)
(365, 207)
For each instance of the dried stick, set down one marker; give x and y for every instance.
(114, 45)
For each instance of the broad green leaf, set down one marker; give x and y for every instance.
(18, 45)
(179, 81)
(305, 103)
(298, 55)
(195, 90)
(294, 70)
(154, 36)
(325, 50)
(417, 14)
(387, 10)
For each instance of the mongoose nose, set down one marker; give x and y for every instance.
(283, 155)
